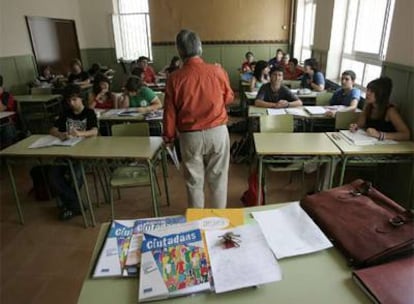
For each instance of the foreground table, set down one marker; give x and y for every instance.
(322, 277)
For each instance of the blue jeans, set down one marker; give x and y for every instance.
(62, 183)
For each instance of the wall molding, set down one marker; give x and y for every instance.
(398, 66)
(220, 42)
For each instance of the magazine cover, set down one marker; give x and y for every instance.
(173, 263)
(145, 225)
(111, 261)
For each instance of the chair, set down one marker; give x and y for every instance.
(344, 119)
(280, 124)
(292, 84)
(323, 98)
(132, 175)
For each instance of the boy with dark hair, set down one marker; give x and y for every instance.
(76, 121)
(274, 94)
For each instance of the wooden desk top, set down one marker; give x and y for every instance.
(141, 148)
(403, 147)
(320, 277)
(294, 144)
(37, 98)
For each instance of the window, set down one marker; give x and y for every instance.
(132, 29)
(305, 23)
(366, 37)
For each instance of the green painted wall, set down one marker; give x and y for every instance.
(18, 71)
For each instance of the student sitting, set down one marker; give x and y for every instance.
(77, 121)
(274, 94)
(46, 78)
(292, 71)
(381, 118)
(101, 96)
(173, 66)
(139, 96)
(97, 69)
(149, 73)
(77, 74)
(260, 75)
(277, 60)
(312, 79)
(246, 65)
(7, 103)
(347, 95)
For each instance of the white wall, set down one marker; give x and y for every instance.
(92, 18)
(401, 41)
(96, 17)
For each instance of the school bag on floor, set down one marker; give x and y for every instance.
(249, 197)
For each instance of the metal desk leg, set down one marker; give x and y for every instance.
(259, 179)
(16, 196)
(88, 198)
(165, 173)
(341, 180)
(75, 182)
(153, 191)
(331, 171)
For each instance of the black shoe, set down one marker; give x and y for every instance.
(67, 214)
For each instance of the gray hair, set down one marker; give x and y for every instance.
(188, 44)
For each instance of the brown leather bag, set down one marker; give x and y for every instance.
(368, 227)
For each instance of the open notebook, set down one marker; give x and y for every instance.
(359, 138)
(49, 140)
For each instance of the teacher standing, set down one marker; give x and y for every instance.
(195, 110)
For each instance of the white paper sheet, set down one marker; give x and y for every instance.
(249, 265)
(361, 138)
(316, 110)
(272, 111)
(289, 231)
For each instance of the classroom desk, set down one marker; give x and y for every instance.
(39, 108)
(321, 277)
(144, 149)
(401, 152)
(20, 150)
(293, 147)
(106, 120)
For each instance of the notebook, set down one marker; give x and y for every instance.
(392, 282)
(359, 137)
(49, 140)
(315, 110)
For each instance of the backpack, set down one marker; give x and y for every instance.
(240, 150)
(249, 197)
(40, 183)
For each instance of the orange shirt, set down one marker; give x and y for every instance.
(195, 98)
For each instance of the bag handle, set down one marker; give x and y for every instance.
(365, 188)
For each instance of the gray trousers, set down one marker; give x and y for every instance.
(206, 154)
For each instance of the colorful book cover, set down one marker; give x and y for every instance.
(173, 263)
(216, 218)
(146, 225)
(111, 261)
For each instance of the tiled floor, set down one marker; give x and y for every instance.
(46, 261)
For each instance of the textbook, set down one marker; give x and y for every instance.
(133, 258)
(240, 257)
(111, 260)
(120, 254)
(216, 218)
(173, 263)
(49, 140)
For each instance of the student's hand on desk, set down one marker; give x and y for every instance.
(353, 127)
(330, 113)
(75, 133)
(373, 132)
(281, 104)
(63, 135)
